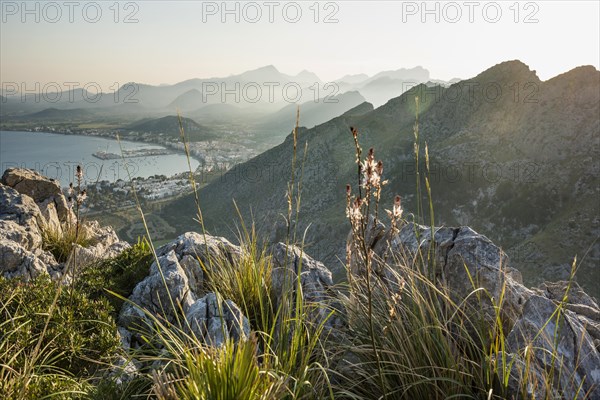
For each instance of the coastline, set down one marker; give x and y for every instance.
(108, 136)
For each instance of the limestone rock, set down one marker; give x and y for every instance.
(191, 248)
(463, 260)
(29, 239)
(38, 187)
(22, 210)
(124, 370)
(211, 320)
(316, 282)
(48, 211)
(214, 321)
(104, 244)
(547, 332)
(160, 297)
(16, 261)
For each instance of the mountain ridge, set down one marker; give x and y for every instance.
(470, 138)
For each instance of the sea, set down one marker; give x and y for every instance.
(57, 156)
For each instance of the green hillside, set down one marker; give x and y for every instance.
(510, 155)
(169, 126)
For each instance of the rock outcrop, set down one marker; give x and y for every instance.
(31, 206)
(315, 280)
(559, 338)
(176, 288)
(542, 318)
(180, 284)
(21, 226)
(44, 191)
(214, 321)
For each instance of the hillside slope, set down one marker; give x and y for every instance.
(169, 126)
(511, 156)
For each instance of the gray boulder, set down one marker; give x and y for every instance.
(17, 262)
(163, 293)
(316, 283)
(193, 249)
(40, 188)
(558, 339)
(29, 239)
(23, 211)
(215, 321)
(461, 259)
(48, 211)
(175, 288)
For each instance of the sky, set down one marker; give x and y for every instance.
(158, 42)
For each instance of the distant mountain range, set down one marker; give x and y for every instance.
(314, 112)
(262, 90)
(54, 114)
(512, 156)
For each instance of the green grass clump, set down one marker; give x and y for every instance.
(60, 244)
(426, 345)
(229, 372)
(52, 340)
(247, 282)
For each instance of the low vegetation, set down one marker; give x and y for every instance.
(119, 274)
(52, 341)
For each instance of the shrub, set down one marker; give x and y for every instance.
(119, 274)
(110, 389)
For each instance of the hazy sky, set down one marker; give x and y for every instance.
(167, 42)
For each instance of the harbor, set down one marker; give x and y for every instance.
(105, 155)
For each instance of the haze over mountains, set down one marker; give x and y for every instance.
(257, 92)
(510, 155)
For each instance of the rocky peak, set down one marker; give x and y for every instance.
(508, 73)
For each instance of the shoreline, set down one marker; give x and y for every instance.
(109, 136)
(126, 156)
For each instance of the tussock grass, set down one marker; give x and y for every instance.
(61, 243)
(247, 281)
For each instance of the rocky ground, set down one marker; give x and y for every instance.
(31, 204)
